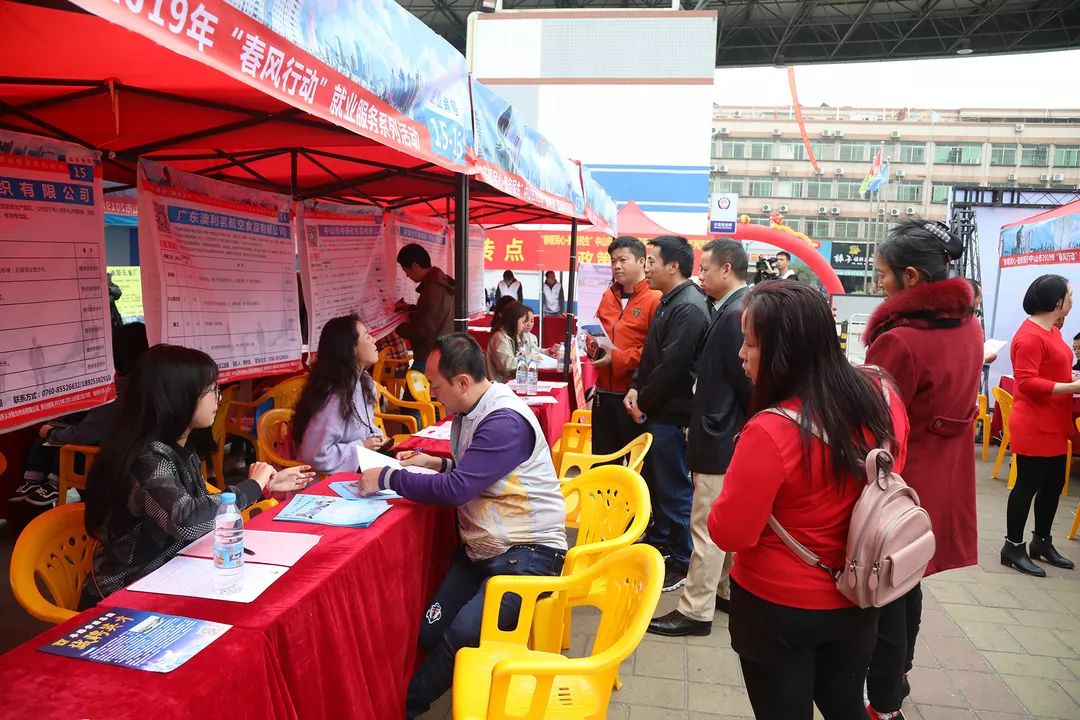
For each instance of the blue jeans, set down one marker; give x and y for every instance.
(452, 620)
(672, 490)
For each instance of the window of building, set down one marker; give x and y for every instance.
(729, 185)
(817, 229)
(795, 150)
(789, 189)
(857, 151)
(848, 189)
(819, 189)
(732, 149)
(1003, 154)
(847, 228)
(1035, 155)
(762, 149)
(761, 187)
(794, 223)
(909, 191)
(912, 152)
(1067, 156)
(958, 153)
(939, 193)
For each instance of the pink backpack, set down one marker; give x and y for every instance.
(890, 541)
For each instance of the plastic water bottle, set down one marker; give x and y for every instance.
(228, 546)
(521, 378)
(531, 377)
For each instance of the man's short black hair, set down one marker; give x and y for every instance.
(413, 254)
(550, 272)
(785, 253)
(632, 244)
(1045, 293)
(1076, 337)
(460, 354)
(731, 252)
(675, 249)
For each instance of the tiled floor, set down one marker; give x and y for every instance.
(995, 645)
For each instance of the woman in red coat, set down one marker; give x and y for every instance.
(926, 337)
(800, 642)
(1041, 423)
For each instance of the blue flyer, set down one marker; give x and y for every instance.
(327, 510)
(138, 639)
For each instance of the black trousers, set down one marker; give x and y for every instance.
(612, 426)
(793, 659)
(898, 628)
(1040, 479)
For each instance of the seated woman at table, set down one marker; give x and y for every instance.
(513, 335)
(146, 498)
(1040, 425)
(336, 411)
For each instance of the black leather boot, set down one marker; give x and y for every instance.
(1015, 555)
(1043, 548)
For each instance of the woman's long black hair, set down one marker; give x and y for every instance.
(333, 374)
(508, 323)
(929, 247)
(158, 404)
(801, 358)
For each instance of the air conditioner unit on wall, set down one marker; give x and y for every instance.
(910, 211)
(1019, 127)
(775, 169)
(894, 212)
(819, 171)
(766, 207)
(1012, 176)
(822, 209)
(1058, 178)
(895, 134)
(835, 211)
(826, 133)
(1044, 178)
(899, 173)
(737, 113)
(723, 131)
(776, 132)
(721, 168)
(838, 133)
(881, 211)
(839, 171)
(783, 208)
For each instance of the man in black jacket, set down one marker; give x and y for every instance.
(721, 401)
(661, 394)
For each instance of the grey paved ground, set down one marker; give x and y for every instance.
(995, 645)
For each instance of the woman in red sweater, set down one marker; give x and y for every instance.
(1041, 423)
(800, 641)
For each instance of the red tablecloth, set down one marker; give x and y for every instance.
(238, 673)
(334, 637)
(551, 418)
(1008, 384)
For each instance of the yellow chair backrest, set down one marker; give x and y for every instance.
(286, 393)
(385, 402)
(219, 434)
(583, 417)
(261, 507)
(980, 400)
(240, 415)
(387, 371)
(275, 445)
(575, 463)
(421, 391)
(70, 476)
(1005, 401)
(56, 552)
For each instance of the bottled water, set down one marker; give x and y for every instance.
(531, 382)
(521, 376)
(228, 546)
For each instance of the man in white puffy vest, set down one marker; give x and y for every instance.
(511, 514)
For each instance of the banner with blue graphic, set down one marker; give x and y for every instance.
(600, 209)
(517, 160)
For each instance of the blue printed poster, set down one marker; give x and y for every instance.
(137, 639)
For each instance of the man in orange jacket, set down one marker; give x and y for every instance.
(626, 311)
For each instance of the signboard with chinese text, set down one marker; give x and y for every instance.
(512, 248)
(477, 302)
(129, 279)
(1049, 238)
(723, 213)
(364, 65)
(852, 255)
(219, 271)
(55, 334)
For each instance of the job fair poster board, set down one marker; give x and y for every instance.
(340, 245)
(477, 301)
(593, 280)
(55, 334)
(432, 234)
(218, 271)
(1047, 238)
(129, 279)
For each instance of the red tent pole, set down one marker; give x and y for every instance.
(570, 315)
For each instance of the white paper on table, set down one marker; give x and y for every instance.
(435, 432)
(992, 346)
(194, 577)
(550, 385)
(368, 459)
(270, 548)
(546, 362)
(531, 400)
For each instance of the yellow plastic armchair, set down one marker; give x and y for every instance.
(503, 679)
(421, 392)
(574, 464)
(1005, 402)
(576, 436)
(390, 372)
(55, 552)
(257, 509)
(610, 506)
(386, 401)
(220, 436)
(240, 416)
(395, 439)
(275, 445)
(70, 477)
(983, 417)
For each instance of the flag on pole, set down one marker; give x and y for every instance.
(875, 170)
(881, 179)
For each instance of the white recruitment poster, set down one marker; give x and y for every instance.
(477, 302)
(219, 271)
(430, 233)
(55, 335)
(339, 246)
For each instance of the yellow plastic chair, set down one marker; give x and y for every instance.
(395, 439)
(69, 476)
(503, 679)
(55, 552)
(610, 506)
(421, 392)
(240, 416)
(384, 400)
(390, 372)
(275, 445)
(220, 435)
(576, 436)
(1005, 402)
(984, 417)
(575, 463)
(258, 508)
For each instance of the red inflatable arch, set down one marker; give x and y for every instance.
(786, 241)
